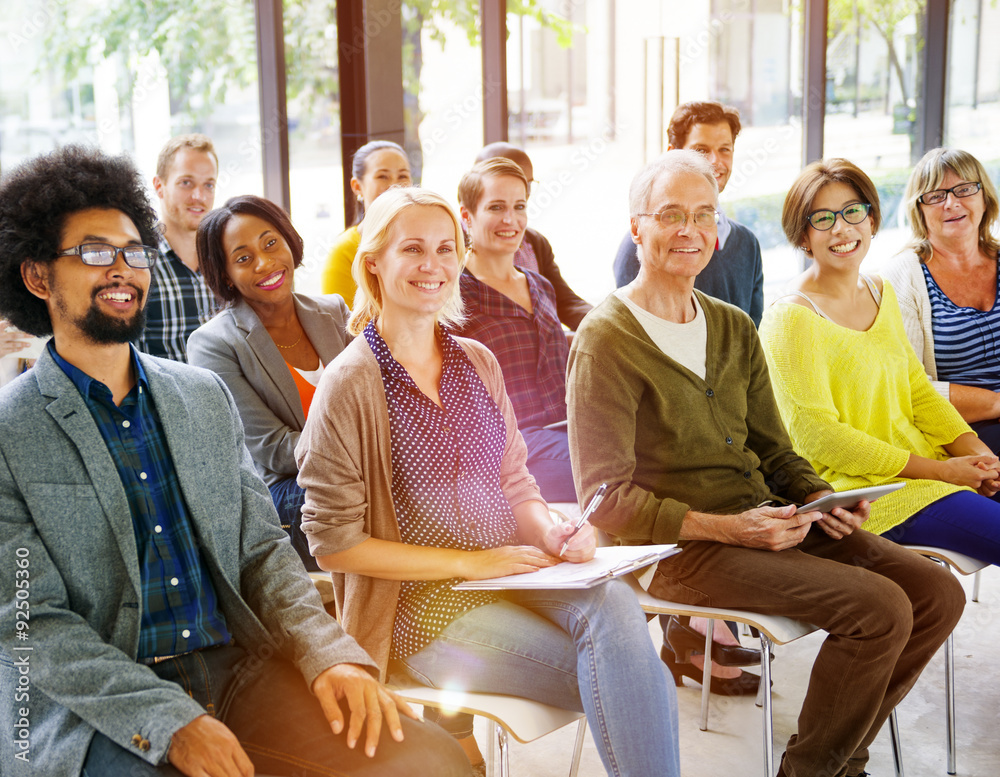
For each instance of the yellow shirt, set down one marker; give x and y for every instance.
(857, 404)
(337, 278)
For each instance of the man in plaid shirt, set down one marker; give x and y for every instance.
(179, 299)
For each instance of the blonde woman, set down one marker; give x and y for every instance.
(415, 479)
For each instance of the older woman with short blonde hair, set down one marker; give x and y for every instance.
(947, 282)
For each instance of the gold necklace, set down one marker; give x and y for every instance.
(286, 347)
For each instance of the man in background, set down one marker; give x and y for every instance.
(735, 274)
(179, 299)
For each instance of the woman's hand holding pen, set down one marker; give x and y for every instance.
(580, 548)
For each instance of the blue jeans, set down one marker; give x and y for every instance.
(265, 702)
(288, 497)
(965, 522)
(586, 650)
(548, 462)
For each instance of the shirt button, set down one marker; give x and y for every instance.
(158, 529)
(746, 475)
(174, 581)
(142, 476)
(729, 441)
(125, 424)
(446, 429)
(185, 633)
(710, 393)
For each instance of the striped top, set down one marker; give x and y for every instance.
(966, 340)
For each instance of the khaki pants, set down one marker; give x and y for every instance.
(886, 609)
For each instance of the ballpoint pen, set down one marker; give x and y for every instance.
(594, 504)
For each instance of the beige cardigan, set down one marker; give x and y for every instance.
(345, 465)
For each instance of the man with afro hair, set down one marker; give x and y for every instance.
(154, 618)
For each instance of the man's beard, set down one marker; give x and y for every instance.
(103, 329)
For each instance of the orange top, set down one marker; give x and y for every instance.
(306, 389)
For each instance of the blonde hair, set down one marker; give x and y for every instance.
(194, 141)
(375, 234)
(927, 176)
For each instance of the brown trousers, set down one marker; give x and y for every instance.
(886, 609)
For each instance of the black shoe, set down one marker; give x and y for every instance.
(744, 685)
(684, 641)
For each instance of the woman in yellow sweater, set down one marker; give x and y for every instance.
(375, 167)
(852, 392)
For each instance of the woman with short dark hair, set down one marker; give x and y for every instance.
(269, 344)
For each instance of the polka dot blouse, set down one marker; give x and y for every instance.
(445, 482)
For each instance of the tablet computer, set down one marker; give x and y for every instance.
(849, 498)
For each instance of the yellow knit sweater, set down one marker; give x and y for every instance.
(857, 404)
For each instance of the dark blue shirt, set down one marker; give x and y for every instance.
(180, 611)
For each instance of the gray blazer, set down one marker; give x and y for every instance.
(63, 511)
(236, 347)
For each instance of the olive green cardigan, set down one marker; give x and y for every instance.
(664, 440)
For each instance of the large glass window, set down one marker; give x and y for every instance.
(126, 78)
(973, 109)
(592, 114)
(874, 70)
(314, 151)
(443, 92)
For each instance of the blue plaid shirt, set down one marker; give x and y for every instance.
(180, 610)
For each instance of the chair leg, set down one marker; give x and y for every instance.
(706, 675)
(975, 586)
(500, 734)
(765, 685)
(897, 747)
(581, 733)
(949, 691)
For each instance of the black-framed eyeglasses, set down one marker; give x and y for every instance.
(675, 217)
(105, 255)
(937, 196)
(823, 220)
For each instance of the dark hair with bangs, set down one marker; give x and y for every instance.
(799, 200)
(212, 257)
(38, 196)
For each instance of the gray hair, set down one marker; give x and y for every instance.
(674, 162)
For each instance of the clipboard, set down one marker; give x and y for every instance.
(607, 563)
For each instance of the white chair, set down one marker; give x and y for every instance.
(773, 630)
(965, 565)
(524, 719)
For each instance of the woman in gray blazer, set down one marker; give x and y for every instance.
(269, 344)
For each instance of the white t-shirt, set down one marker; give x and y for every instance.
(686, 344)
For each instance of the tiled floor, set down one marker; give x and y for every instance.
(733, 746)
